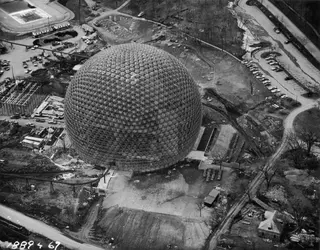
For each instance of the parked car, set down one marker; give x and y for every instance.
(16, 116)
(286, 42)
(277, 30)
(274, 63)
(55, 43)
(275, 90)
(40, 120)
(278, 70)
(269, 59)
(288, 78)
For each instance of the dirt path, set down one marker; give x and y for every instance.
(83, 234)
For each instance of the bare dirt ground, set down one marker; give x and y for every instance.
(209, 67)
(159, 193)
(136, 229)
(156, 210)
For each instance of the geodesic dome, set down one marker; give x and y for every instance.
(134, 105)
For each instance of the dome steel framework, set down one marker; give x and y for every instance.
(134, 105)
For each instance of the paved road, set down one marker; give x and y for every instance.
(288, 127)
(291, 57)
(293, 29)
(43, 229)
(258, 180)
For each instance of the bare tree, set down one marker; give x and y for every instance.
(296, 149)
(301, 206)
(309, 137)
(268, 174)
(200, 205)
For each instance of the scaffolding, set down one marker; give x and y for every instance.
(21, 101)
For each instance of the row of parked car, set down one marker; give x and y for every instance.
(258, 74)
(211, 174)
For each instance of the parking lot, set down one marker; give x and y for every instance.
(269, 78)
(16, 55)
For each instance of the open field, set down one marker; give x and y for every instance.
(52, 13)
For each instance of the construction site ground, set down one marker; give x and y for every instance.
(162, 209)
(209, 21)
(209, 67)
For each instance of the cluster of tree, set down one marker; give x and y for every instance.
(300, 145)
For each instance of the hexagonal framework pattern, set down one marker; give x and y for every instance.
(134, 105)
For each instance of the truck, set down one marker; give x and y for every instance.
(15, 116)
(40, 120)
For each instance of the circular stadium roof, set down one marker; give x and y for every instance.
(133, 105)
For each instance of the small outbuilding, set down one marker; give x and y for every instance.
(271, 227)
(211, 197)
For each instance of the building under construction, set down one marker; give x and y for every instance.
(20, 97)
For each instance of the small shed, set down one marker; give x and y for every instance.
(211, 197)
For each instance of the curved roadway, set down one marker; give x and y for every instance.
(307, 71)
(54, 234)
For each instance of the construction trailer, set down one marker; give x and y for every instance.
(211, 197)
(32, 142)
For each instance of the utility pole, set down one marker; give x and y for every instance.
(79, 2)
(12, 73)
